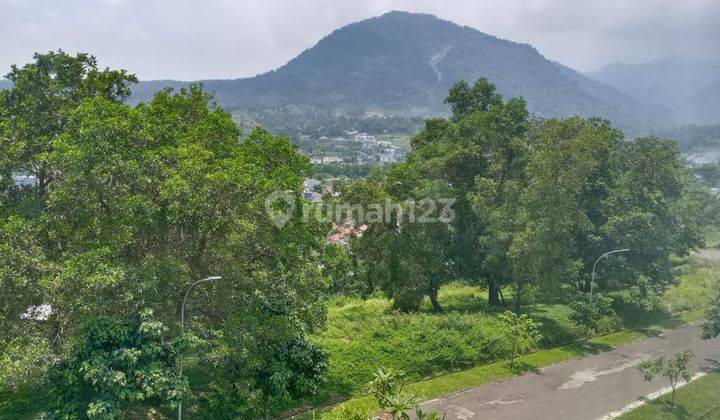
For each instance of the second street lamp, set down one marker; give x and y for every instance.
(182, 325)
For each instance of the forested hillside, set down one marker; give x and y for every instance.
(404, 63)
(689, 88)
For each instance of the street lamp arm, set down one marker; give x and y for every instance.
(182, 325)
(592, 279)
(187, 293)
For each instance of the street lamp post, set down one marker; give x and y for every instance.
(592, 279)
(182, 325)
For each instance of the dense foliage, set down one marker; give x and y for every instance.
(133, 204)
(116, 364)
(535, 203)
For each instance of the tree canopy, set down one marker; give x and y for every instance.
(535, 203)
(133, 204)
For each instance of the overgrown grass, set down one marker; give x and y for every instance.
(486, 374)
(697, 400)
(698, 279)
(363, 335)
(433, 349)
(712, 238)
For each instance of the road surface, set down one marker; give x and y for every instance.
(588, 388)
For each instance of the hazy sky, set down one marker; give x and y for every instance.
(184, 39)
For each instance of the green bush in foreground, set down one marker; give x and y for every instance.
(117, 364)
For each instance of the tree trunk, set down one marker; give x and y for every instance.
(502, 298)
(434, 301)
(493, 293)
(266, 410)
(517, 298)
(672, 398)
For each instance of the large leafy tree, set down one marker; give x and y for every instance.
(589, 192)
(478, 158)
(536, 202)
(133, 204)
(37, 109)
(560, 208)
(650, 212)
(406, 255)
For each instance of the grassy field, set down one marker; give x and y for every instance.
(363, 335)
(697, 400)
(456, 350)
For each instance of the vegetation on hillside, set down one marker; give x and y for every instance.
(403, 64)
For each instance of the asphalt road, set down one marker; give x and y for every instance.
(587, 388)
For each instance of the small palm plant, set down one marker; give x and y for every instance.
(386, 387)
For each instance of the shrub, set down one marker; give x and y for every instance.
(116, 364)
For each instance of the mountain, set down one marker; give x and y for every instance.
(404, 63)
(688, 87)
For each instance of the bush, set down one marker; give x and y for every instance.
(608, 324)
(117, 364)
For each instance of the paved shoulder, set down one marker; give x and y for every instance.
(586, 388)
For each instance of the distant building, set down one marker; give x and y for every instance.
(310, 184)
(366, 139)
(312, 196)
(24, 180)
(341, 234)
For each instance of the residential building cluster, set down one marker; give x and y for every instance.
(352, 147)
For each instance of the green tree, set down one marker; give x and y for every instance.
(464, 100)
(649, 214)
(478, 158)
(267, 351)
(561, 211)
(674, 369)
(139, 202)
(521, 332)
(37, 108)
(403, 253)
